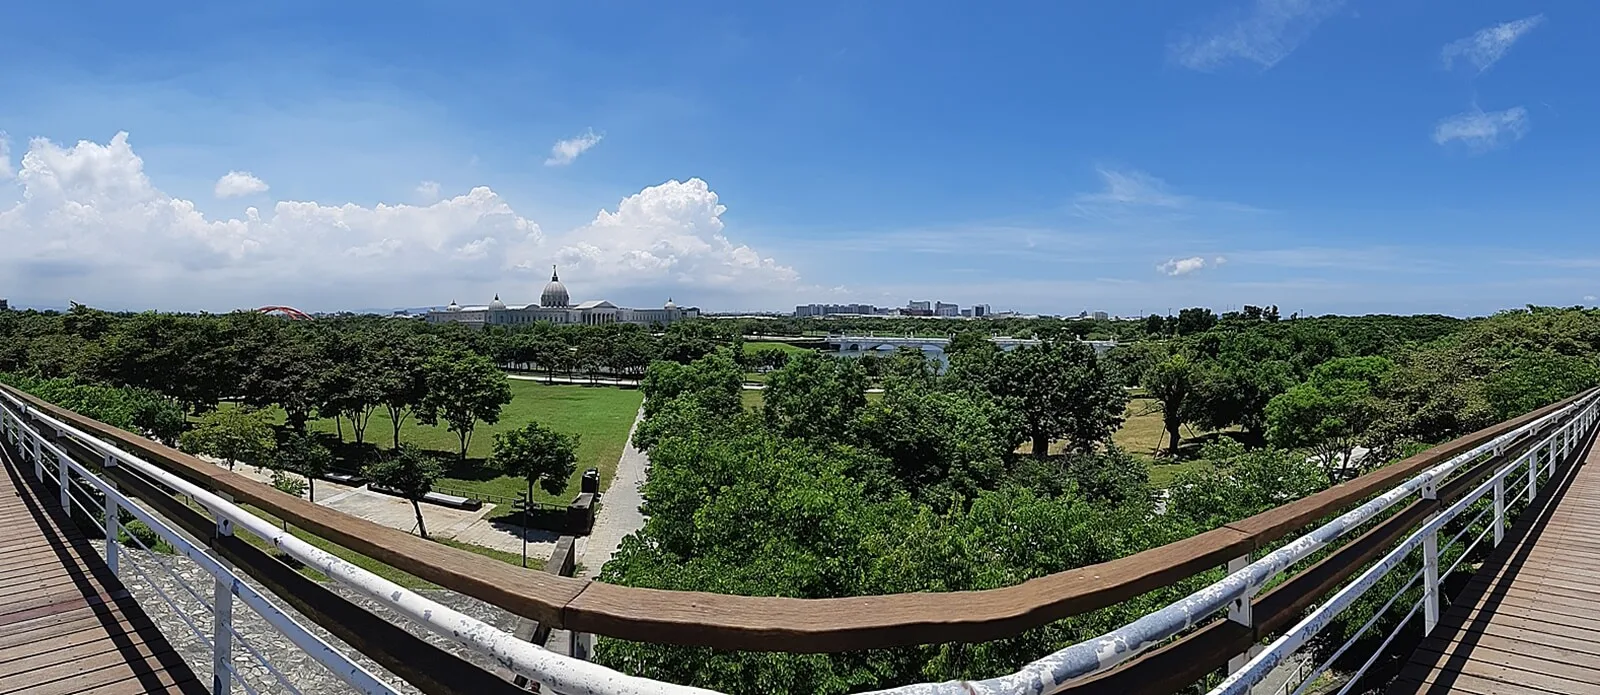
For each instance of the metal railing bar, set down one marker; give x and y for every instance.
(1356, 677)
(557, 671)
(1240, 681)
(1376, 615)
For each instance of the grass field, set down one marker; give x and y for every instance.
(751, 348)
(599, 415)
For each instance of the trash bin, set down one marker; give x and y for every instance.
(591, 481)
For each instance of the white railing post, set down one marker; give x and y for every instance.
(222, 626)
(38, 458)
(61, 478)
(1533, 473)
(1499, 509)
(113, 523)
(1430, 566)
(1240, 611)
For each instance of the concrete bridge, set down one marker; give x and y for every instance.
(1501, 522)
(870, 343)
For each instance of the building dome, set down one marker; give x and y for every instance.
(453, 306)
(555, 293)
(496, 305)
(671, 305)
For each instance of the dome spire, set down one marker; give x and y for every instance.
(553, 276)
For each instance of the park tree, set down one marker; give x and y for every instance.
(1155, 324)
(815, 397)
(350, 386)
(302, 453)
(463, 389)
(410, 472)
(942, 447)
(1170, 382)
(287, 371)
(156, 415)
(1331, 413)
(231, 434)
(537, 454)
(1537, 379)
(1058, 389)
(1195, 320)
(401, 375)
(713, 381)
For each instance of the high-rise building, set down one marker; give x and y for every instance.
(919, 306)
(943, 309)
(1101, 316)
(980, 310)
(834, 309)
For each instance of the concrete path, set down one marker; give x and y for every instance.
(619, 507)
(582, 381)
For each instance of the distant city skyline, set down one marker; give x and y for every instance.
(1331, 156)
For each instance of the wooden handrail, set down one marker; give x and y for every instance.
(785, 624)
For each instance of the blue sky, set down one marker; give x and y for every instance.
(1127, 156)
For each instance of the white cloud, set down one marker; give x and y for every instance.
(1486, 47)
(1265, 34)
(1588, 298)
(1483, 131)
(565, 151)
(1184, 266)
(669, 234)
(92, 227)
(428, 190)
(5, 156)
(1134, 187)
(235, 184)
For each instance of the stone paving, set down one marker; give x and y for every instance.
(619, 510)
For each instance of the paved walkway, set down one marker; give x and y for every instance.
(619, 509)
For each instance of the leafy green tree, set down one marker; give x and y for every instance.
(463, 389)
(402, 375)
(943, 447)
(1535, 380)
(287, 371)
(1170, 382)
(1240, 482)
(1058, 389)
(1331, 413)
(231, 434)
(538, 455)
(409, 471)
(156, 415)
(1195, 320)
(714, 381)
(303, 454)
(815, 397)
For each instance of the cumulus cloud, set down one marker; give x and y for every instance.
(1483, 131)
(5, 156)
(428, 190)
(565, 151)
(235, 184)
(1184, 266)
(90, 225)
(671, 233)
(1264, 34)
(1486, 47)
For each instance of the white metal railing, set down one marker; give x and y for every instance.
(556, 672)
(100, 501)
(1555, 447)
(1234, 592)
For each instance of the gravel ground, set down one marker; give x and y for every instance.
(296, 666)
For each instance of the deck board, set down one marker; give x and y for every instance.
(1528, 623)
(67, 625)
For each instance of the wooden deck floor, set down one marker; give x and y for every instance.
(1529, 622)
(66, 623)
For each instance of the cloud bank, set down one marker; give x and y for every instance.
(91, 226)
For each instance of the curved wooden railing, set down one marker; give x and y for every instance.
(865, 622)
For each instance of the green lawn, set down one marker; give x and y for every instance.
(752, 347)
(599, 415)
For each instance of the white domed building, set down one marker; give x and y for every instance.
(556, 306)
